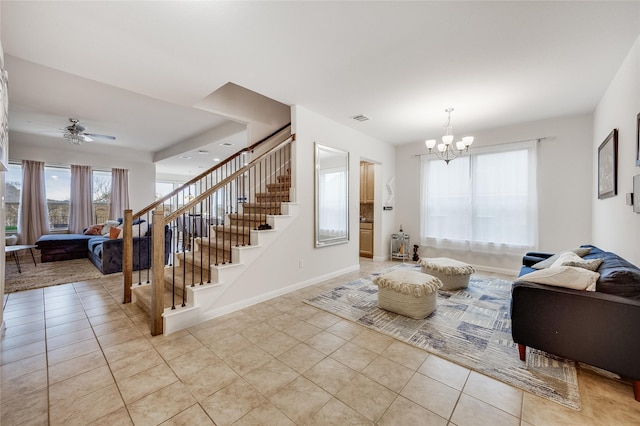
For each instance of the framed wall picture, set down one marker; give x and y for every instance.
(608, 166)
(638, 140)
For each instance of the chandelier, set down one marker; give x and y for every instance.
(446, 150)
(73, 138)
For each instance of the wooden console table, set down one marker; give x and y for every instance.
(14, 251)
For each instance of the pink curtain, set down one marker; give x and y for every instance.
(119, 192)
(80, 205)
(34, 213)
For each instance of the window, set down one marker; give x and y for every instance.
(58, 188)
(485, 201)
(12, 187)
(101, 196)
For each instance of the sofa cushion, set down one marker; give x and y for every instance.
(580, 251)
(95, 246)
(571, 259)
(619, 277)
(564, 276)
(55, 240)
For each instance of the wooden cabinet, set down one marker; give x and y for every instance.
(366, 239)
(363, 175)
(367, 182)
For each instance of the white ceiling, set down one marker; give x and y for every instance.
(136, 69)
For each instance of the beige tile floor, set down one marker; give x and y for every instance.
(73, 354)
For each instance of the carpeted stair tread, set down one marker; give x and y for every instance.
(278, 187)
(260, 206)
(234, 240)
(279, 196)
(186, 276)
(143, 298)
(223, 230)
(250, 216)
(198, 258)
(252, 220)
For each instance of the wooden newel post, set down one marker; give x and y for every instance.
(157, 266)
(127, 255)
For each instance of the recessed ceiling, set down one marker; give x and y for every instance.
(400, 63)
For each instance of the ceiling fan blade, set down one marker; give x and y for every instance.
(86, 138)
(95, 135)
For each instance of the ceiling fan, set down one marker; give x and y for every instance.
(75, 133)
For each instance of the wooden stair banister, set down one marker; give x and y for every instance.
(202, 175)
(233, 173)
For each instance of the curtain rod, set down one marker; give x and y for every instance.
(543, 138)
(61, 165)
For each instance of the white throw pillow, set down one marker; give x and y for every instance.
(107, 225)
(572, 259)
(580, 251)
(564, 276)
(139, 230)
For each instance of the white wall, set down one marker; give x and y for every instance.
(2, 216)
(262, 115)
(615, 226)
(279, 267)
(564, 191)
(141, 169)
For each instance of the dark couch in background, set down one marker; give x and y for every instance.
(55, 247)
(105, 253)
(600, 328)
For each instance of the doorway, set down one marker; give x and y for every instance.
(367, 198)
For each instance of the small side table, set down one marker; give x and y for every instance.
(14, 251)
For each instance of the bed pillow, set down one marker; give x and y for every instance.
(564, 276)
(569, 258)
(580, 251)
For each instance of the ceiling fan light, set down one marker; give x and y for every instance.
(72, 138)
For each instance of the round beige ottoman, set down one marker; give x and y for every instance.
(453, 274)
(409, 293)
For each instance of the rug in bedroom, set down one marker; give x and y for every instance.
(470, 327)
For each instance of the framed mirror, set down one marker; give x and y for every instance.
(332, 196)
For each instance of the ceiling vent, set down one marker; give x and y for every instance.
(360, 117)
(226, 144)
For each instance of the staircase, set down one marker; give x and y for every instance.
(195, 267)
(238, 208)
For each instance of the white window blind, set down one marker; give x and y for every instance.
(484, 201)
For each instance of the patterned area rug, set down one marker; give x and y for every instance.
(47, 274)
(470, 327)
